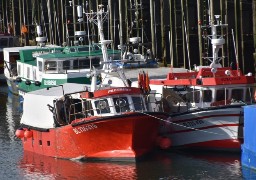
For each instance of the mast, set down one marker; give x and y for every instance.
(108, 67)
(217, 41)
(98, 18)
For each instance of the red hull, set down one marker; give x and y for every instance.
(121, 137)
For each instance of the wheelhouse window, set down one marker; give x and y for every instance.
(40, 66)
(102, 106)
(75, 64)
(28, 72)
(96, 62)
(84, 63)
(4, 42)
(221, 94)
(138, 103)
(83, 49)
(66, 64)
(193, 95)
(72, 50)
(237, 94)
(249, 94)
(207, 95)
(34, 74)
(51, 65)
(121, 104)
(19, 70)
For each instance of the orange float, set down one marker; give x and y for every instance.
(19, 133)
(28, 134)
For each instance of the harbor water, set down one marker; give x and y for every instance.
(164, 165)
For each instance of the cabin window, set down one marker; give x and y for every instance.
(237, 94)
(84, 63)
(75, 64)
(28, 72)
(66, 64)
(95, 62)
(34, 74)
(121, 104)
(249, 94)
(19, 70)
(193, 96)
(220, 94)
(76, 109)
(207, 95)
(4, 42)
(51, 65)
(138, 103)
(40, 66)
(102, 106)
(83, 49)
(72, 50)
(88, 108)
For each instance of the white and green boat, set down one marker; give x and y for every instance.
(42, 68)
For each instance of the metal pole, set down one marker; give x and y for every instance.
(50, 20)
(171, 34)
(74, 18)
(120, 22)
(13, 19)
(199, 31)
(254, 30)
(163, 33)
(63, 22)
(242, 33)
(227, 37)
(176, 35)
(237, 29)
(152, 27)
(183, 34)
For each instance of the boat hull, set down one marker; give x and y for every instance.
(123, 137)
(213, 129)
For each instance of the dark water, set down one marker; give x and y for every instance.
(14, 164)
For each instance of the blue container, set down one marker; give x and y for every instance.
(249, 147)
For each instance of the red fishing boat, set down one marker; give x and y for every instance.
(108, 121)
(111, 123)
(206, 104)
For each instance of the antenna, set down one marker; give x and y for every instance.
(237, 62)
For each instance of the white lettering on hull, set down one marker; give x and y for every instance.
(85, 128)
(50, 82)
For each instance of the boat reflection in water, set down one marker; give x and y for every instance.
(160, 165)
(35, 166)
(13, 110)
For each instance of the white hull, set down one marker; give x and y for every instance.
(219, 125)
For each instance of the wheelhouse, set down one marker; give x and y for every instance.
(200, 96)
(74, 107)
